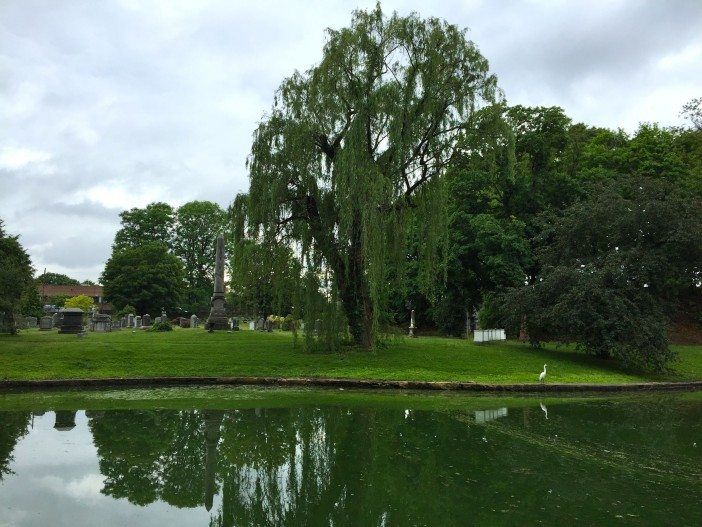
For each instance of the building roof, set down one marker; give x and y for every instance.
(69, 290)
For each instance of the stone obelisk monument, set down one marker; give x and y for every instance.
(218, 316)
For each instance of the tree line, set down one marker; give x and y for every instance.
(163, 258)
(394, 175)
(403, 180)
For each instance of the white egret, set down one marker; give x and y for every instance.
(543, 375)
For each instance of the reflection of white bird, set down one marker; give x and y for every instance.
(543, 375)
(544, 409)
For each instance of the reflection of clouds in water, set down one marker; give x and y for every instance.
(13, 517)
(57, 476)
(276, 481)
(86, 487)
(54, 447)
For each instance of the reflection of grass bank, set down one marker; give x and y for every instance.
(247, 397)
(194, 352)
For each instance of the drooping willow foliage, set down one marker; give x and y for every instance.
(354, 145)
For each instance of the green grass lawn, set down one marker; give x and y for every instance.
(194, 352)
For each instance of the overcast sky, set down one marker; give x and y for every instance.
(106, 105)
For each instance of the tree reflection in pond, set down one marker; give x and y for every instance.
(13, 426)
(374, 466)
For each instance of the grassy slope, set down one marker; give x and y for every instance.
(194, 352)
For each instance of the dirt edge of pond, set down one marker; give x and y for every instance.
(347, 383)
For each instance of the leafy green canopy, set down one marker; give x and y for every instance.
(265, 277)
(56, 279)
(197, 225)
(612, 267)
(146, 276)
(153, 223)
(30, 301)
(15, 276)
(354, 142)
(188, 232)
(83, 302)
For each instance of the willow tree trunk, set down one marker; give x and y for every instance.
(355, 297)
(348, 264)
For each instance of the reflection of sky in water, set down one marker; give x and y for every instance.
(589, 462)
(54, 466)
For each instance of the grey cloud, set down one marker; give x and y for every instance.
(121, 102)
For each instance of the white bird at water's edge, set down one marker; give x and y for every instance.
(543, 375)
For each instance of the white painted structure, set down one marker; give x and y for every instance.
(488, 335)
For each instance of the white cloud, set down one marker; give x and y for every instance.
(108, 106)
(86, 487)
(13, 158)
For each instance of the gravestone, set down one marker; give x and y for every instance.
(137, 321)
(260, 324)
(194, 321)
(146, 320)
(157, 320)
(412, 326)
(31, 322)
(56, 320)
(71, 320)
(46, 323)
(234, 324)
(102, 323)
(130, 320)
(184, 322)
(218, 315)
(252, 325)
(317, 326)
(91, 324)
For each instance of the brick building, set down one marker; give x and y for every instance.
(47, 291)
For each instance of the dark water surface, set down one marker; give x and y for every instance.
(247, 456)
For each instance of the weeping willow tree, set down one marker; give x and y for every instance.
(359, 141)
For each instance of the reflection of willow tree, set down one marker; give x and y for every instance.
(380, 466)
(151, 455)
(13, 427)
(319, 467)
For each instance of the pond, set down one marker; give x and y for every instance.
(251, 456)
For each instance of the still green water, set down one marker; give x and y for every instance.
(248, 456)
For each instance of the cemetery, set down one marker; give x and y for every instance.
(195, 352)
(271, 264)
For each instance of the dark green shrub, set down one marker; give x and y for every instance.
(162, 326)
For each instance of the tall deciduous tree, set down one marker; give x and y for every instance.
(353, 142)
(30, 301)
(147, 277)
(56, 279)
(153, 223)
(15, 275)
(612, 266)
(265, 274)
(198, 223)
